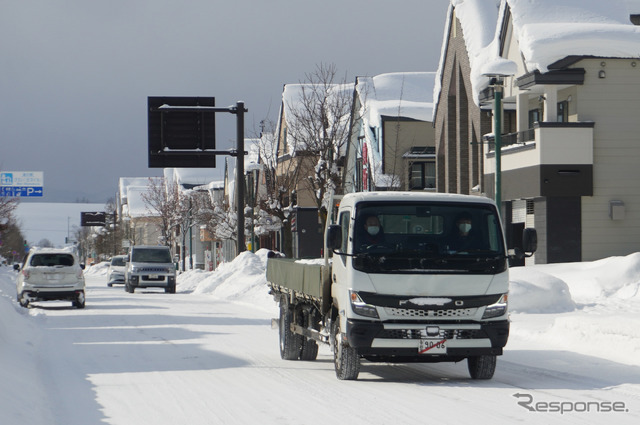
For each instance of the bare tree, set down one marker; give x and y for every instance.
(317, 128)
(12, 243)
(318, 125)
(218, 218)
(11, 239)
(281, 181)
(163, 199)
(7, 207)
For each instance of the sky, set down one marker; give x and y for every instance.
(76, 74)
(208, 354)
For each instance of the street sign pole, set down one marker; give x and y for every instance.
(240, 175)
(160, 156)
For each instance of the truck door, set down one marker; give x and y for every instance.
(342, 262)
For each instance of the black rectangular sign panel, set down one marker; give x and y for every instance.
(92, 219)
(181, 138)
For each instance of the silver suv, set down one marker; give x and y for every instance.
(150, 267)
(50, 274)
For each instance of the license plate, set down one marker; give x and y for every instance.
(432, 346)
(153, 276)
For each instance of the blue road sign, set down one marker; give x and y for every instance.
(21, 191)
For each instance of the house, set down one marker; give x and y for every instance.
(568, 76)
(311, 139)
(392, 140)
(189, 244)
(141, 226)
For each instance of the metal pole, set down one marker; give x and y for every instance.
(497, 119)
(240, 176)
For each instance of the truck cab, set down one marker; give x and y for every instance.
(430, 285)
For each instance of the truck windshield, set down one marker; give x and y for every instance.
(428, 237)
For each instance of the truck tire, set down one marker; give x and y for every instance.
(290, 343)
(345, 358)
(482, 367)
(309, 350)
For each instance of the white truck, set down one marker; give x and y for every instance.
(414, 277)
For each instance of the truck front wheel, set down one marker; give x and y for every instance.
(345, 358)
(482, 367)
(290, 343)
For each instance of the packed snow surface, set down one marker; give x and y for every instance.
(208, 355)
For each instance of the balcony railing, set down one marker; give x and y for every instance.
(546, 143)
(510, 139)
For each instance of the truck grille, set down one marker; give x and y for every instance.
(451, 312)
(444, 334)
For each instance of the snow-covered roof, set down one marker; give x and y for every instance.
(550, 30)
(399, 94)
(137, 206)
(546, 30)
(293, 101)
(125, 182)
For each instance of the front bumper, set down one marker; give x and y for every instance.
(152, 281)
(400, 341)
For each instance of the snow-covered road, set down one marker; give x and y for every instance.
(189, 358)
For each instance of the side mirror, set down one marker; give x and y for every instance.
(82, 266)
(529, 240)
(334, 237)
(16, 267)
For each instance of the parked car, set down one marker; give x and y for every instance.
(51, 274)
(115, 274)
(150, 267)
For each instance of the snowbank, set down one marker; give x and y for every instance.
(539, 289)
(556, 288)
(99, 269)
(243, 279)
(18, 337)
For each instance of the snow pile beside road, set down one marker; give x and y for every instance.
(557, 288)
(99, 269)
(242, 279)
(19, 377)
(534, 291)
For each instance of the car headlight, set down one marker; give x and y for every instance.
(360, 307)
(498, 309)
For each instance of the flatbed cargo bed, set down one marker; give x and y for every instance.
(303, 278)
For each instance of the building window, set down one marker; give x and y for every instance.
(422, 175)
(534, 117)
(563, 111)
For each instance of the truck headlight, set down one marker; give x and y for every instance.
(360, 307)
(498, 309)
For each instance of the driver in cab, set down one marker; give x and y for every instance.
(372, 234)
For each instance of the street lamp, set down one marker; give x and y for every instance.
(497, 71)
